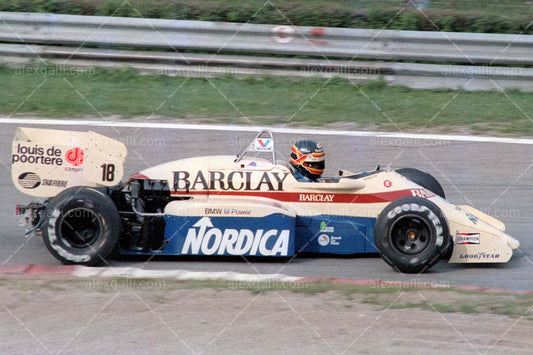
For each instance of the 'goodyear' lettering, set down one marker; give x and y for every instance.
(479, 256)
(422, 209)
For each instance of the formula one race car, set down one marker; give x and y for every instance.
(239, 205)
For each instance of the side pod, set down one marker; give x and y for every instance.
(238, 226)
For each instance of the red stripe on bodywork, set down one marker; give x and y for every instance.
(379, 197)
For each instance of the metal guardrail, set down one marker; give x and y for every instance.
(469, 48)
(327, 45)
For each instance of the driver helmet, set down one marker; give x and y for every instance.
(307, 156)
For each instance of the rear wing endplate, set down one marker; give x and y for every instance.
(45, 162)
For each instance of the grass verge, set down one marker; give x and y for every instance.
(50, 92)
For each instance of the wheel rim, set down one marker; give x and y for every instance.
(80, 227)
(410, 235)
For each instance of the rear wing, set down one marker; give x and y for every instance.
(45, 162)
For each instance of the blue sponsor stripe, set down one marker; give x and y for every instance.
(272, 235)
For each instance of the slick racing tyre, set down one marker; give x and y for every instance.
(411, 234)
(423, 179)
(82, 226)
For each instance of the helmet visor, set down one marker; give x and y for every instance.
(315, 167)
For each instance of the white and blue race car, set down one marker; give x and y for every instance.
(238, 205)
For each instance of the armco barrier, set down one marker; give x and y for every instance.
(472, 48)
(476, 61)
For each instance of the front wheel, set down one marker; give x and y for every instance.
(82, 226)
(423, 179)
(411, 234)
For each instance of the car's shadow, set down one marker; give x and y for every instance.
(243, 259)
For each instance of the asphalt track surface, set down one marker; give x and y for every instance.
(496, 178)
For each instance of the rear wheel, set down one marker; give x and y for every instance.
(82, 226)
(411, 234)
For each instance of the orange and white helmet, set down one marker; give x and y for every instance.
(308, 157)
